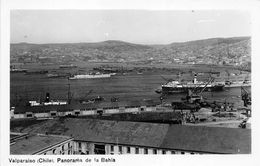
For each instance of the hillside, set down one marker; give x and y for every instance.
(233, 51)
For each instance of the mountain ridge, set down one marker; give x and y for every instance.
(234, 51)
(121, 41)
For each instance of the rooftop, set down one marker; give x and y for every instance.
(14, 136)
(74, 106)
(165, 136)
(35, 143)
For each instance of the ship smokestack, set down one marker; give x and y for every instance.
(47, 99)
(195, 79)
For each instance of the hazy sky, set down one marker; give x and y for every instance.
(136, 26)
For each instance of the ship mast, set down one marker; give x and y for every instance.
(69, 93)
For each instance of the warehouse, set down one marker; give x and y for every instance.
(122, 137)
(40, 144)
(100, 108)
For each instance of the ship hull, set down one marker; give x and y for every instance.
(172, 90)
(67, 66)
(18, 70)
(90, 76)
(237, 85)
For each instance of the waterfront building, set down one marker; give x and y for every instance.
(93, 136)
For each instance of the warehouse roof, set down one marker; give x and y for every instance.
(32, 144)
(165, 136)
(208, 139)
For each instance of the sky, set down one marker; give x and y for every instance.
(135, 26)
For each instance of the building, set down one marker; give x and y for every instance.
(47, 111)
(40, 144)
(92, 136)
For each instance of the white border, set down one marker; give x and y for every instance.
(250, 5)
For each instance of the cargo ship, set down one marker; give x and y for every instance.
(90, 76)
(179, 87)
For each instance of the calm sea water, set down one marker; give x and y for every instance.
(125, 87)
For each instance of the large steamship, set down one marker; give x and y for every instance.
(181, 87)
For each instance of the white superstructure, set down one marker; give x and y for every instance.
(90, 76)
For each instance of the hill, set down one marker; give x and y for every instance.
(234, 51)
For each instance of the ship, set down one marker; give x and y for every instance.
(36, 72)
(235, 84)
(246, 82)
(175, 86)
(67, 66)
(13, 69)
(47, 101)
(90, 76)
(18, 70)
(55, 75)
(52, 75)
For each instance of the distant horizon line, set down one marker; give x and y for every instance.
(130, 42)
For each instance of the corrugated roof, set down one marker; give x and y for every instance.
(34, 143)
(165, 136)
(208, 139)
(117, 132)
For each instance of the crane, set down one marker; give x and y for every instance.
(245, 97)
(196, 96)
(83, 99)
